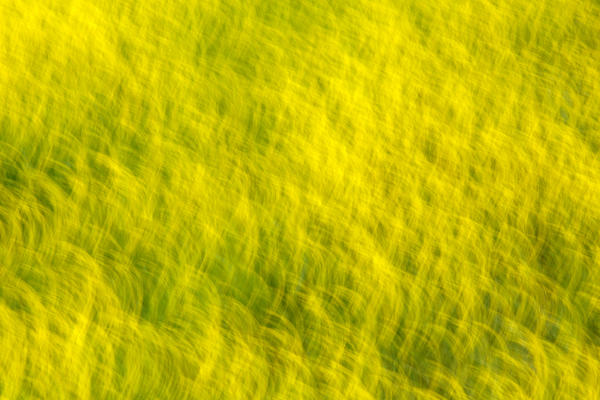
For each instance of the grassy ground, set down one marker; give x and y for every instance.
(299, 199)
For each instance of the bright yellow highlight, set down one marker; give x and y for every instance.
(299, 199)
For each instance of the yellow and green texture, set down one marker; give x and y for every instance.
(299, 199)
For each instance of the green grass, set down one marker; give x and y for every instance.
(285, 199)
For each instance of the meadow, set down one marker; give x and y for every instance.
(299, 199)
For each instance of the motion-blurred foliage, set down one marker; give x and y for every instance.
(299, 199)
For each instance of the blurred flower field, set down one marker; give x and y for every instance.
(299, 199)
